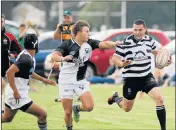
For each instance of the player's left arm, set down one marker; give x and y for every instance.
(44, 80)
(103, 44)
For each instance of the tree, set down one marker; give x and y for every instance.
(97, 21)
(161, 13)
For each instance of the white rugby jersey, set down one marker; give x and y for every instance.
(26, 65)
(75, 69)
(140, 52)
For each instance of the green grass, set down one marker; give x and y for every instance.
(143, 115)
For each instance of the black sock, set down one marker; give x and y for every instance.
(118, 100)
(69, 127)
(78, 108)
(42, 126)
(161, 113)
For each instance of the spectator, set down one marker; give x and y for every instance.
(63, 30)
(23, 28)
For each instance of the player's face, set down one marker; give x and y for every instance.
(67, 19)
(139, 31)
(2, 23)
(85, 33)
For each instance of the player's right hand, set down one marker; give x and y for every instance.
(126, 63)
(17, 96)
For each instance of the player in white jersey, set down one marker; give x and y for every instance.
(134, 55)
(76, 52)
(19, 75)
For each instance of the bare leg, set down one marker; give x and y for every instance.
(8, 115)
(40, 114)
(157, 96)
(67, 105)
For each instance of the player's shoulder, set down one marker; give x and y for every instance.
(128, 40)
(93, 40)
(10, 35)
(66, 43)
(24, 57)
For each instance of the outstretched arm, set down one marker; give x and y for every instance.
(44, 80)
(108, 44)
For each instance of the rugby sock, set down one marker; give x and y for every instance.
(78, 108)
(69, 127)
(118, 100)
(161, 113)
(42, 126)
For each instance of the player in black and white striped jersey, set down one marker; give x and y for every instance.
(134, 55)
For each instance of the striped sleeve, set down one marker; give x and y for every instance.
(155, 45)
(120, 52)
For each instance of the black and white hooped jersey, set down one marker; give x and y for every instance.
(75, 70)
(26, 65)
(140, 52)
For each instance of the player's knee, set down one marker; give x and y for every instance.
(9, 119)
(68, 113)
(89, 108)
(127, 109)
(159, 100)
(43, 116)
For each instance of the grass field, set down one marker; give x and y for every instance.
(143, 115)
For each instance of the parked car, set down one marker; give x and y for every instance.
(170, 34)
(98, 62)
(12, 27)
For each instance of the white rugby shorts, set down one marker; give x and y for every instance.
(10, 100)
(69, 90)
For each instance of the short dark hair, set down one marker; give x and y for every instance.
(22, 25)
(79, 25)
(2, 16)
(146, 33)
(139, 22)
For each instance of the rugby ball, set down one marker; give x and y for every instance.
(162, 58)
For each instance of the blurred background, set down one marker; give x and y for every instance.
(109, 21)
(100, 15)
